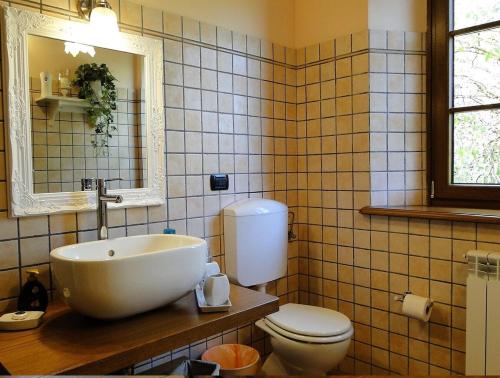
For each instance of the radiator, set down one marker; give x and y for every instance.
(482, 354)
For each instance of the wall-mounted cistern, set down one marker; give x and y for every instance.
(103, 198)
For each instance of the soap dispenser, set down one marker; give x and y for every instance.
(33, 295)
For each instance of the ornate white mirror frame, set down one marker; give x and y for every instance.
(17, 25)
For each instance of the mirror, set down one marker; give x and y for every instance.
(80, 105)
(68, 143)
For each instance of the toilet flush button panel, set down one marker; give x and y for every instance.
(20, 320)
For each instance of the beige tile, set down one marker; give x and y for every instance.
(488, 233)
(458, 362)
(399, 364)
(398, 344)
(398, 242)
(8, 227)
(130, 13)
(253, 46)
(61, 240)
(343, 45)
(380, 338)
(419, 226)
(172, 24)
(440, 248)
(62, 4)
(380, 357)
(440, 291)
(191, 54)
(440, 229)
(465, 231)
(419, 266)
(176, 186)
(360, 64)
(208, 33)
(419, 286)
(396, 40)
(440, 356)
(418, 350)
(379, 280)
(62, 223)
(190, 29)
(172, 51)
(152, 19)
(399, 263)
(461, 247)
(224, 38)
(419, 330)
(440, 270)
(327, 50)
(173, 73)
(9, 283)
(34, 250)
(239, 42)
(9, 257)
(441, 313)
(87, 220)
(378, 39)
(312, 53)
(360, 41)
(380, 241)
(30, 226)
(343, 67)
(398, 283)
(459, 273)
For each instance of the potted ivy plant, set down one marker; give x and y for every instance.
(96, 85)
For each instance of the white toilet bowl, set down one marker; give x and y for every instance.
(305, 340)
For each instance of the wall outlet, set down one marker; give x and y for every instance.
(219, 181)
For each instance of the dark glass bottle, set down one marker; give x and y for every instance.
(33, 295)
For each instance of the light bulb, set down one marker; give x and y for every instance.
(103, 20)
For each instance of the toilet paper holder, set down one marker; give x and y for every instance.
(401, 297)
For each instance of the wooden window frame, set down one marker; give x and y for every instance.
(439, 101)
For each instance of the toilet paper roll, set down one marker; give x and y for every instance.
(417, 307)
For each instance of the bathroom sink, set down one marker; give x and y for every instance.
(115, 278)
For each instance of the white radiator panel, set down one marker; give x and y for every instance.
(483, 314)
(475, 351)
(493, 329)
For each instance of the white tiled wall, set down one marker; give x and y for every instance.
(326, 129)
(230, 107)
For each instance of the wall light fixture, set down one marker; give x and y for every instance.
(101, 16)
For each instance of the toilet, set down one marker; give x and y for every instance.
(305, 339)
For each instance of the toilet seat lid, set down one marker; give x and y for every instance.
(310, 320)
(309, 339)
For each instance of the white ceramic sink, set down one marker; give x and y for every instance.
(115, 278)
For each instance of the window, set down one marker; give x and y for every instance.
(464, 102)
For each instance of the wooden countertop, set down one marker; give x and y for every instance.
(69, 343)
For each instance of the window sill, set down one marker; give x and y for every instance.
(434, 212)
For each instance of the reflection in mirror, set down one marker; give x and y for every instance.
(87, 115)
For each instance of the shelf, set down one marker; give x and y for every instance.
(72, 344)
(435, 212)
(55, 104)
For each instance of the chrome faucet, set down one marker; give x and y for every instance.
(103, 198)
